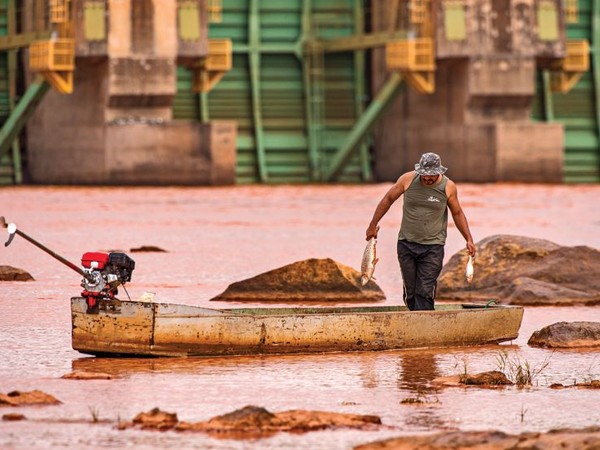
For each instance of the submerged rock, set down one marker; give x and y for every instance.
(147, 249)
(492, 379)
(9, 273)
(254, 421)
(592, 384)
(17, 398)
(79, 375)
(588, 438)
(249, 418)
(307, 280)
(524, 271)
(156, 419)
(567, 335)
(13, 417)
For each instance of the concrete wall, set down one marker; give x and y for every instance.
(116, 127)
(66, 135)
(170, 153)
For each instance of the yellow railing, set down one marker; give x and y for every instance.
(571, 11)
(418, 11)
(219, 55)
(218, 62)
(52, 55)
(59, 11)
(415, 58)
(410, 55)
(215, 11)
(420, 17)
(578, 56)
(572, 67)
(54, 59)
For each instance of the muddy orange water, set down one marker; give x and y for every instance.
(215, 236)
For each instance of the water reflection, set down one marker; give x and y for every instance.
(416, 371)
(128, 366)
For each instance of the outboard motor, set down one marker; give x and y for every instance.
(102, 272)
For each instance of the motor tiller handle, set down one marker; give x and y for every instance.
(67, 263)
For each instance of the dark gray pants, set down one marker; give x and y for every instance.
(420, 265)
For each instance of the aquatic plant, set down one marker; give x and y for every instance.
(589, 378)
(523, 411)
(464, 362)
(521, 373)
(95, 412)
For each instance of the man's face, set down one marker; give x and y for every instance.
(429, 180)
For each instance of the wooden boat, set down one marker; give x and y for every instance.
(162, 329)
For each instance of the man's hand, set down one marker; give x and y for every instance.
(372, 231)
(471, 248)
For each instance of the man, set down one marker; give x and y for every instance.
(428, 194)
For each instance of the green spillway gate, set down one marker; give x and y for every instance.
(579, 109)
(294, 108)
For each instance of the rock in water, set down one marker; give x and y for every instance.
(9, 273)
(567, 335)
(524, 271)
(18, 398)
(156, 419)
(252, 421)
(587, 438)
(147, 249)
(307, 280)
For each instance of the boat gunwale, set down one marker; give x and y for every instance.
(340, 311)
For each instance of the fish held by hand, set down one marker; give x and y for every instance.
(369, 260)
(469, 270)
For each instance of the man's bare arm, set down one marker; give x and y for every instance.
(386, 202)
(460, 220)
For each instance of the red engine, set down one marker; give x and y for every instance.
(103, 274)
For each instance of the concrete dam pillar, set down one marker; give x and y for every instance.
(487, 53)
(117, 127)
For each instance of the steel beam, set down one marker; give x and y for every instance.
(359, 88)
(22, 112)
(12, 91)
(548, 99)
(364, 125)
(269, 48)
(203, 107)
(254, 55)
(313, 129)
(12, 95)
(361, 41)
(17, 41)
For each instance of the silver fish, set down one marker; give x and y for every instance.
(469, 270)
(369, 260)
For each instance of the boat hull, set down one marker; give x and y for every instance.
(162, 329)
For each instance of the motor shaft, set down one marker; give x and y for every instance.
(13, 230)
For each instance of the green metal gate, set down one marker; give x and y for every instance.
(294, 104)
(578, 109)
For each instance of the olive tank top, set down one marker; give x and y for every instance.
(425, 213)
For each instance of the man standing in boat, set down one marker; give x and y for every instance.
(428, 194)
